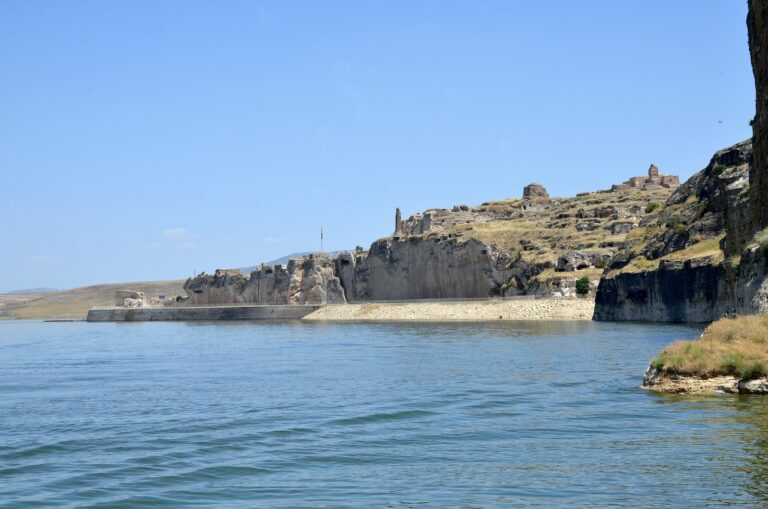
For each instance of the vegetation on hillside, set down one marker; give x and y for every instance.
(730, 346)
(545, 234)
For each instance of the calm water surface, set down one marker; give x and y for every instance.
(363, 415)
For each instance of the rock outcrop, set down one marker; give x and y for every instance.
(535, 245)
(130, 299)
(658, 381)
(680, 270)
(728, 200)
(436, 267)
(306, 280)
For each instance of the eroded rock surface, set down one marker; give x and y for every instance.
(658, 381)
(306, 280)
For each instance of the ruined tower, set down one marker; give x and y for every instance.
(398, 223)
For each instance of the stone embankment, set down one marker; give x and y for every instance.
(529, 309)
(203, 313)
(657, 381)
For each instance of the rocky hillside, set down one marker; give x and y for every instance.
(708, 257)
(691, 255)
(679, 264)
(532, 245)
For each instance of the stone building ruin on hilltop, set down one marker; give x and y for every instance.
(654, 180)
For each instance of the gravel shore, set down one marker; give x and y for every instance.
(542, 309)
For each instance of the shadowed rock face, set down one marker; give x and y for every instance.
(757, 23)
(690, 291)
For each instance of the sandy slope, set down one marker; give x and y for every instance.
(543, 309)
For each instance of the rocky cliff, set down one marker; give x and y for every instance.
(687, 255)
(757, 24)
(678, 273)
(682, 265)
(307, 280)
(428, 268)
(534, 245)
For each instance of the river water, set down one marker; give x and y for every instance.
(291, 415)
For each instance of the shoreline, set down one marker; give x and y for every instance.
(670, 383)
(473, 311)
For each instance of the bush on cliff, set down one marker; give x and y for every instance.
(730, 346)
(651, 207)
(762, 239)
(582, 286)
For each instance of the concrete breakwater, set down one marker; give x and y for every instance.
(234, 312)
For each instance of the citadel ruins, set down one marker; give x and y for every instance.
(654, 180)
(535, 197)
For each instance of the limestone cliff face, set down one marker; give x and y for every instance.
(412, 268)
(307, 280)
(421, 268)
(757, 23)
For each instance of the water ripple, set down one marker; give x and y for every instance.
(361, 415)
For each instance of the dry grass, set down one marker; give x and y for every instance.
(74, 304)
(553, 230)
(635, 265)
(737, 347)
(591, 274)
(705, 248)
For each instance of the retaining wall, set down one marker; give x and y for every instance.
(292, 312)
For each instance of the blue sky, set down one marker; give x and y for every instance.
(144, 140)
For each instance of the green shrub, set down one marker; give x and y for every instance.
(732, 364)
(582, 286)
(659, 362)
(359, 249)
(681, 229)
(753, 370)
(762, 239)
(718, 169)
(651, 207)
(669, 221)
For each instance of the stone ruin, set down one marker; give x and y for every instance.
(130, 299)
(534, 190)
(442, 219)
(439, 219)
(227, 272)
(654, 180)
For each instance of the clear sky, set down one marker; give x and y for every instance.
(143, 140)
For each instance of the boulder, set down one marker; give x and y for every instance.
(588, 226)
(570, 262)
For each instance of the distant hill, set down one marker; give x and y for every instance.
(31, 290)
(284, 259)
(75, 303)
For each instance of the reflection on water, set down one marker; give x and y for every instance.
(292, 414)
